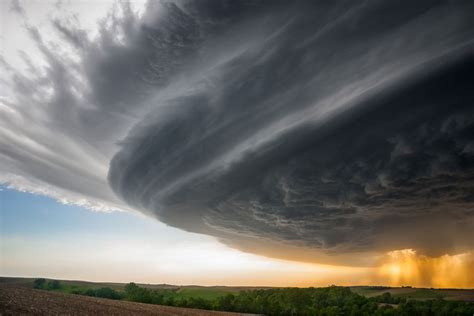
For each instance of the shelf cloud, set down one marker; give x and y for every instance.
(308, 130)
(332, 130)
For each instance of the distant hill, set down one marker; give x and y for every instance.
(213, 291)
(417, 293)
(46, 296)
(185, 291)
(17, 300)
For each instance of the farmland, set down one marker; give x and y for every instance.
(185, 291)
(337, 300)
(211, 292)
(416, 293)
(15, 300)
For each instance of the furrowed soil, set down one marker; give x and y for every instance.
(15, 300)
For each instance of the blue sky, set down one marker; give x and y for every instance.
(35, 215)
(42, 237)
(114, 113)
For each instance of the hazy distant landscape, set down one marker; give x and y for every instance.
(17, 295)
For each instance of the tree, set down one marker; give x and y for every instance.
(225, 302)
(54, 285)
(131, 287)
(39, 283)
(107, 292)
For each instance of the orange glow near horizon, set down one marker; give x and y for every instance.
(400, 268)
(210, 263)
(406, 267)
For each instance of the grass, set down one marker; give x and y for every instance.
(204, 293)
(212, 292)
(72, 287)
(421, 294)
(409, 292)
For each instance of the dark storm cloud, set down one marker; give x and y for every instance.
(337, 128)
(308, 130)
(61, 117)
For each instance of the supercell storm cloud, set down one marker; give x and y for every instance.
(323, 131)
(307, 130)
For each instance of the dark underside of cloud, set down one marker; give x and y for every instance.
(312, 131)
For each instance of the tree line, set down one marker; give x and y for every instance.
(328, 301)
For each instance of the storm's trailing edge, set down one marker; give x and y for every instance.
(322, 129)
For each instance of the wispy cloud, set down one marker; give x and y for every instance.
(328, 130)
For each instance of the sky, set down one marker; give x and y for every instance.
(41, 237)
(238, 143)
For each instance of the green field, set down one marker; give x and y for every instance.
(199, 292)
(178, 292)
(212, 292)
(416, 293)
(331, 300)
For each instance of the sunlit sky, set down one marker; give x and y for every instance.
(73, 204)
(41, 237)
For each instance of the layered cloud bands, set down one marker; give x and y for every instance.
(310, 131)
(307, 130)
